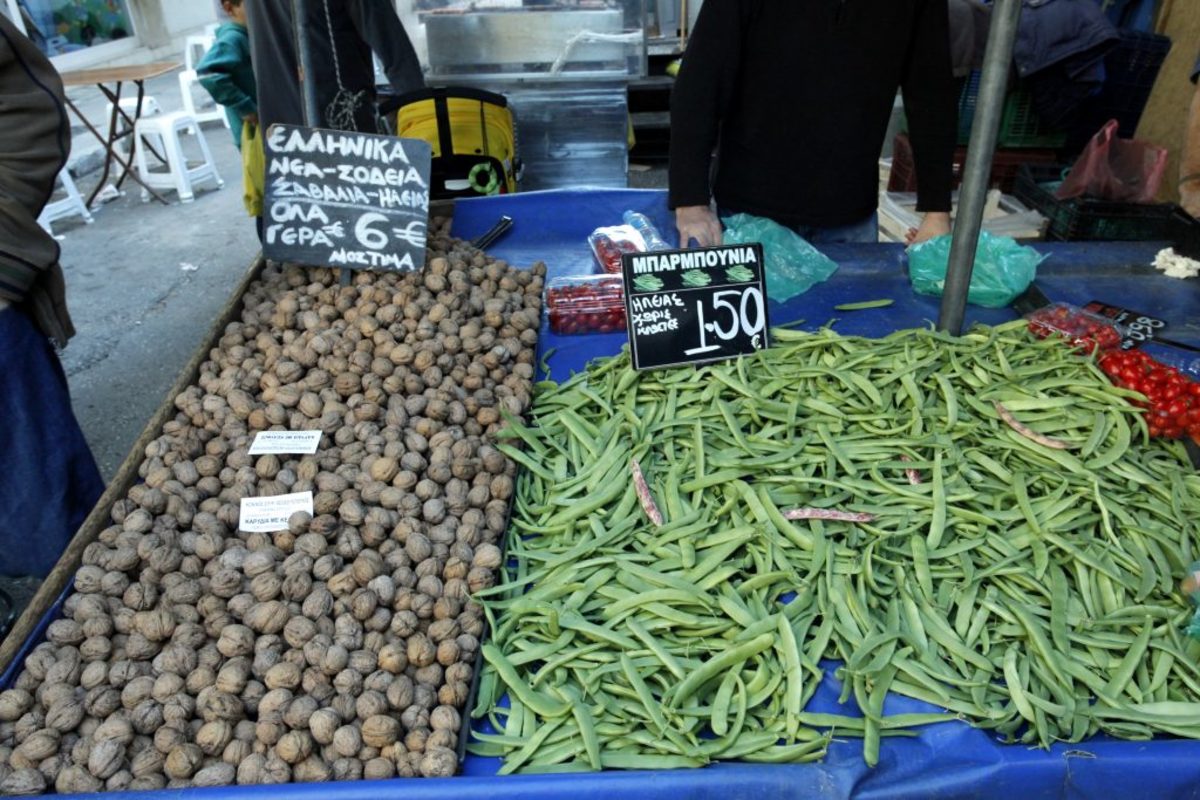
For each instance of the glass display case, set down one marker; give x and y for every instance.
(528, 40)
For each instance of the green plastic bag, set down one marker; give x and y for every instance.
(1003, 269)
(793, 266)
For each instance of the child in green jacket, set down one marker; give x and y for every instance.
(226, 72)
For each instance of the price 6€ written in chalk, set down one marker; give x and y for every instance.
(371, 233)
(734, 312)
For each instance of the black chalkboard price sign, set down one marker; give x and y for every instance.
(346, 199)
(695, 306)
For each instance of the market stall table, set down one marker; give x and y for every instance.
(950, 759)
(138, 75)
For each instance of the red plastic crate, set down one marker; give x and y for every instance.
(1005, 165)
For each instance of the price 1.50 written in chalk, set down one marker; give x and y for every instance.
(734, 313)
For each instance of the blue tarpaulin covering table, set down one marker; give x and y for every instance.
(946, 760)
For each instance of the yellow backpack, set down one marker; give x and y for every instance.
(472, 135)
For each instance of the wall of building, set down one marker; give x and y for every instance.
(1165, 118)
(184, 16)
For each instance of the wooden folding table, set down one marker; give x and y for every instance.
(137, 74)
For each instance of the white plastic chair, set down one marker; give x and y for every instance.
(194, 49)
(170, 128)
(69, 206)
(187, 81)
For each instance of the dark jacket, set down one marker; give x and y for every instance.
(1060, 51)
(1053, 32)
(341, 45)
(227, 72)
(799, 95)
(35, 138)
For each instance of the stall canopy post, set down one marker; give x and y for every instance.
(973, 194)
(308, 84)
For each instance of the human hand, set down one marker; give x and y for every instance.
(251, 118)
(699, 223)
(933, 225)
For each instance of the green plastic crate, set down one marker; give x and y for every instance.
(1020, 126)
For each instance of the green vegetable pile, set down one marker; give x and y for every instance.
(1019, 573)
(695, 278)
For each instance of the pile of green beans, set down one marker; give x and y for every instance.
(1024, 589)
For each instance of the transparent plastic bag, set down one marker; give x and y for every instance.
(793, 266)
(1111, 168)
(1003, 269)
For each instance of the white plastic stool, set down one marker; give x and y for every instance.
(150, 107)
(195, 48)
(178, 175)
(188, 79)
(69, 206)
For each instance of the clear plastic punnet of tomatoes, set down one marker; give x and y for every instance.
(1170, 396)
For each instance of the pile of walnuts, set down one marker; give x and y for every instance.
(192, 654)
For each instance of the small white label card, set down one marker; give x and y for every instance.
(270, 514)
(289, 442)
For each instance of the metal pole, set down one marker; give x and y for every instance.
(973, 194)
(308, 83)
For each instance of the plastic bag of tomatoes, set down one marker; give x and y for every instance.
(586, 304)
(1087, 331)
(1172, 398)
(610, 243)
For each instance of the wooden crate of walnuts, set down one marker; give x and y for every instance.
(190, 654)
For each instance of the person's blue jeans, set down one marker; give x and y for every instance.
(855, 233)
(49, 482)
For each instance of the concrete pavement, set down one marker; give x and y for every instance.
(144, 282)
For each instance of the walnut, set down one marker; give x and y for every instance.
(347, 740)
(147, 762)
(294, 746)
(105, 758)
(183, 761)
(66, 714)
(24, 781)
(284, 675)
(236, 640)
(312, 770)
(323, 724)
(38, 746)
(220, 774)
(213, 736)
(380, 730)
(268, 617)
(73, 779)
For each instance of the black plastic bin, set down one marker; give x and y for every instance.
(1085, 219)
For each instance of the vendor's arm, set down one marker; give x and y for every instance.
(1189, 161)
(929, 103)
(381, 28)
(702, 93)
(216, 73)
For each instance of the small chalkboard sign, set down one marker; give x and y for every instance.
(346, 199)
(695, 306)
